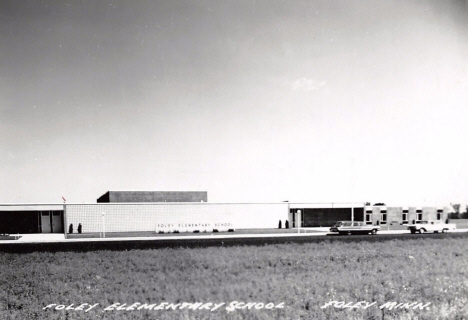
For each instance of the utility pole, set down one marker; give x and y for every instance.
(103, 225)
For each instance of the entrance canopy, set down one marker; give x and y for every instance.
(31, 218)
(325, 214)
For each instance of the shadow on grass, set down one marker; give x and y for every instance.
(202, 243)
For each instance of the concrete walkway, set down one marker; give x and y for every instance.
(303, 232)
(29, 238)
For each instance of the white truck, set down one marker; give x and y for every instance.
(431, 226)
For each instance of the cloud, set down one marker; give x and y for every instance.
(306, 84)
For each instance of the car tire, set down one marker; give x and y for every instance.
(444, 230)
(421, 231)
(349, 233)
(373, 232)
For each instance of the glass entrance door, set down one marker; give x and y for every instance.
(57, 226)
(46, 226)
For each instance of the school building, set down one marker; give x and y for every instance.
(189, 211)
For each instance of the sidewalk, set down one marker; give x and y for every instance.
(39, 238)
(303, 232)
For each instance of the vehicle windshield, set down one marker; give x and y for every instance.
(338, 224)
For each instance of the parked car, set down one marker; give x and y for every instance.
(354, 227)
(431, 226)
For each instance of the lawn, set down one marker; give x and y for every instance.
(287, 281)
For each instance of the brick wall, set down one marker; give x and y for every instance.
(153, 196)
(170, 217)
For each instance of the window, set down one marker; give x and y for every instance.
(419, 215)
(439, 214)
(404, 217)
(383, 217)
(368, 217)
(56, 213)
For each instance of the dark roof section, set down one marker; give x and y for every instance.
(153, 196)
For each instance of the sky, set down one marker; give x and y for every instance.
(252, 101)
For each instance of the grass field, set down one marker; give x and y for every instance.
(302, 278)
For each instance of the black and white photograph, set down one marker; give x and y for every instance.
(234, 159)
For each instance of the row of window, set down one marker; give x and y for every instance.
(404, 217)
